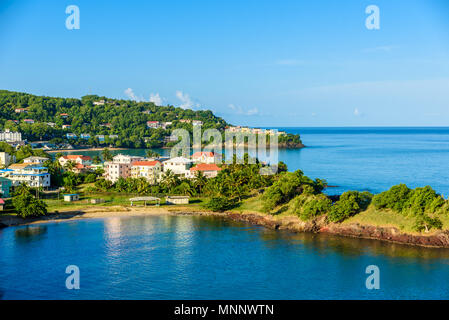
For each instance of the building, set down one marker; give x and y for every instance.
(154, 124)
(100, 137)
(120, 166)
(5, 187)
(150, 170)
(20, 110)
(64, 115)
(210, 170)
(99, 103)
(71, 136)
(29, 121)
(177, 200)
(206, 157)
(71, 197)
(32, 174)
(37, 160)
(2, 204)
(66, 126)
(6, 159)
(85, 136)
(197, 123)
(9, 136)
(77, 158)
(178, 165)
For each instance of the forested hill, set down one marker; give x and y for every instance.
(90, 116)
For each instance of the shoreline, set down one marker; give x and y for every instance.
(439, 239)
(85, 149)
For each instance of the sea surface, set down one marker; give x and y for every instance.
(165, 257)
(185, 257)
(371, 159)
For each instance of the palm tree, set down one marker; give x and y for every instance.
(152, 154)
(106, 154)
(169, 180)
(200, 181)
(69, 165)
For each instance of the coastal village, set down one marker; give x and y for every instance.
(33, 172)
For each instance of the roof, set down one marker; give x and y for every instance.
(206, 167)
(201, 153)
(19, 165)
(144, 199)
(2, 201)
(179, 159)
(145, 163)
(76, 156)
(36, 158)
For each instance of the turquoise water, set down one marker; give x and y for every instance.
(371, 159)
(163, 257)
(208, 258)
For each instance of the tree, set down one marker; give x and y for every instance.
(199, 181)
(96, 159)
(106, 154)
(221, 204)
(350, 203)
(69, 165)
(424, 222)
(152, 154)
(26, 204)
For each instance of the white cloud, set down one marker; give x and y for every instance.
(186, 101)
(239, 110)
(130, 93)
(156, 99)
(357, 113)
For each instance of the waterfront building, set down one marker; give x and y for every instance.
(6, 159)
(77, 158)
(32, 174)
(178, 165)
(5, 187)
(150, 170)
(37, 160)
(206, 157)
(210, 170)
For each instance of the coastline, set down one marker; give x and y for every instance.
(84, 149)
(439, 239)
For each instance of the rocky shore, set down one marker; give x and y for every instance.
(438, 239)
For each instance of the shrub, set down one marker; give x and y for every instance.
(425, 223)
(310, 206)
(395, 199)
(350, 203)
(221, 204)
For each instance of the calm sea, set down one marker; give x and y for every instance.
(372, 159)
(167, 257)
(208, 258)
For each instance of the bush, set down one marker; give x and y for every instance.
(221, 204)
(310, 206)
(424, 222)
(350, 203)
(289, 185)
(404, 200)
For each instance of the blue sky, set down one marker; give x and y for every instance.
(259, 63)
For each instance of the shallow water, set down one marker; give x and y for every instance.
(170, 257)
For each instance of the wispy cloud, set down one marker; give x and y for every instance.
(156, 99)
(130, 93)
(186, 101)
(357, 112)
(239, 110)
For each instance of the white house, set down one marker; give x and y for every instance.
(178, 165)
(38, 160)
(6, 159)
(34, 175)
(206, 157)
(150, 170)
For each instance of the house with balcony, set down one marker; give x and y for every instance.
(32, 174)
(150, 170)
(210, 170)
(179, 166)
(206, 157)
